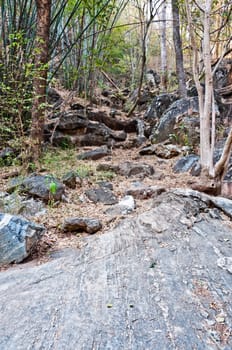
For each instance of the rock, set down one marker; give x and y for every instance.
(108, 167)
(44, 187)
(16, 204)
(196, 169)
(153, 275)
(18, 238)
(105, 184)
(166, 151)
(174, 114)
(187, 131)
(70, 179)
(141, 191)
(159, 105)
(102, 195)
(125, 206)
(79, 224)
(113, 123)
(185, 164)
(129, 169)
(95, 153)
(72, 120)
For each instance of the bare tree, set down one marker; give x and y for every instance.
(206, 98)
(178, 49)
(40, 79)
(163, 48)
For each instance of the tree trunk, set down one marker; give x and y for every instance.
(40, 79)
(163, 49)
(205, 147)
(178, 49)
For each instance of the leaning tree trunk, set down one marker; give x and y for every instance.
(178, 49)
(40, 79)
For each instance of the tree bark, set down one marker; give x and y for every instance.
(163, 49)
(40, 79)
(178, 49)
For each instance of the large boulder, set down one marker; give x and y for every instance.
(159, 105)
(160, 280)
(39, 186)
(20, 205)
(187, 106)
(17, 238)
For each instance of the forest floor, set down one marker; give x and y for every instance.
(58, 162)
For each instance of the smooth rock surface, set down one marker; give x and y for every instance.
(17, 237)
(161, 280)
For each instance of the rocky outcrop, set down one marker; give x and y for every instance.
(161, 280)
(17, 238)
(173, 115)
(159, 105)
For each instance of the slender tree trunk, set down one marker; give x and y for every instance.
(163, 49)
(178, 49)
(206, 152)
(40, 79)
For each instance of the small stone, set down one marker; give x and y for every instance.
(78, 224)
(220, 319)
(95, 154)
(102, 195)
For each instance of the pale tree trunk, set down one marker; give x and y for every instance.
(163, 48)
(178, 49)
(40, 79)
(206, 102)
(205, 147)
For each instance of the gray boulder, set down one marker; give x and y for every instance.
(80, 224)
(177, 110)
(44, 187)
(162, 151)
(141, 191)
(72, 120)
(159, 105)
(19, 205)
(95, 153)
(129, 169)
(17, 238)
(101, 195)
(186, 163)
